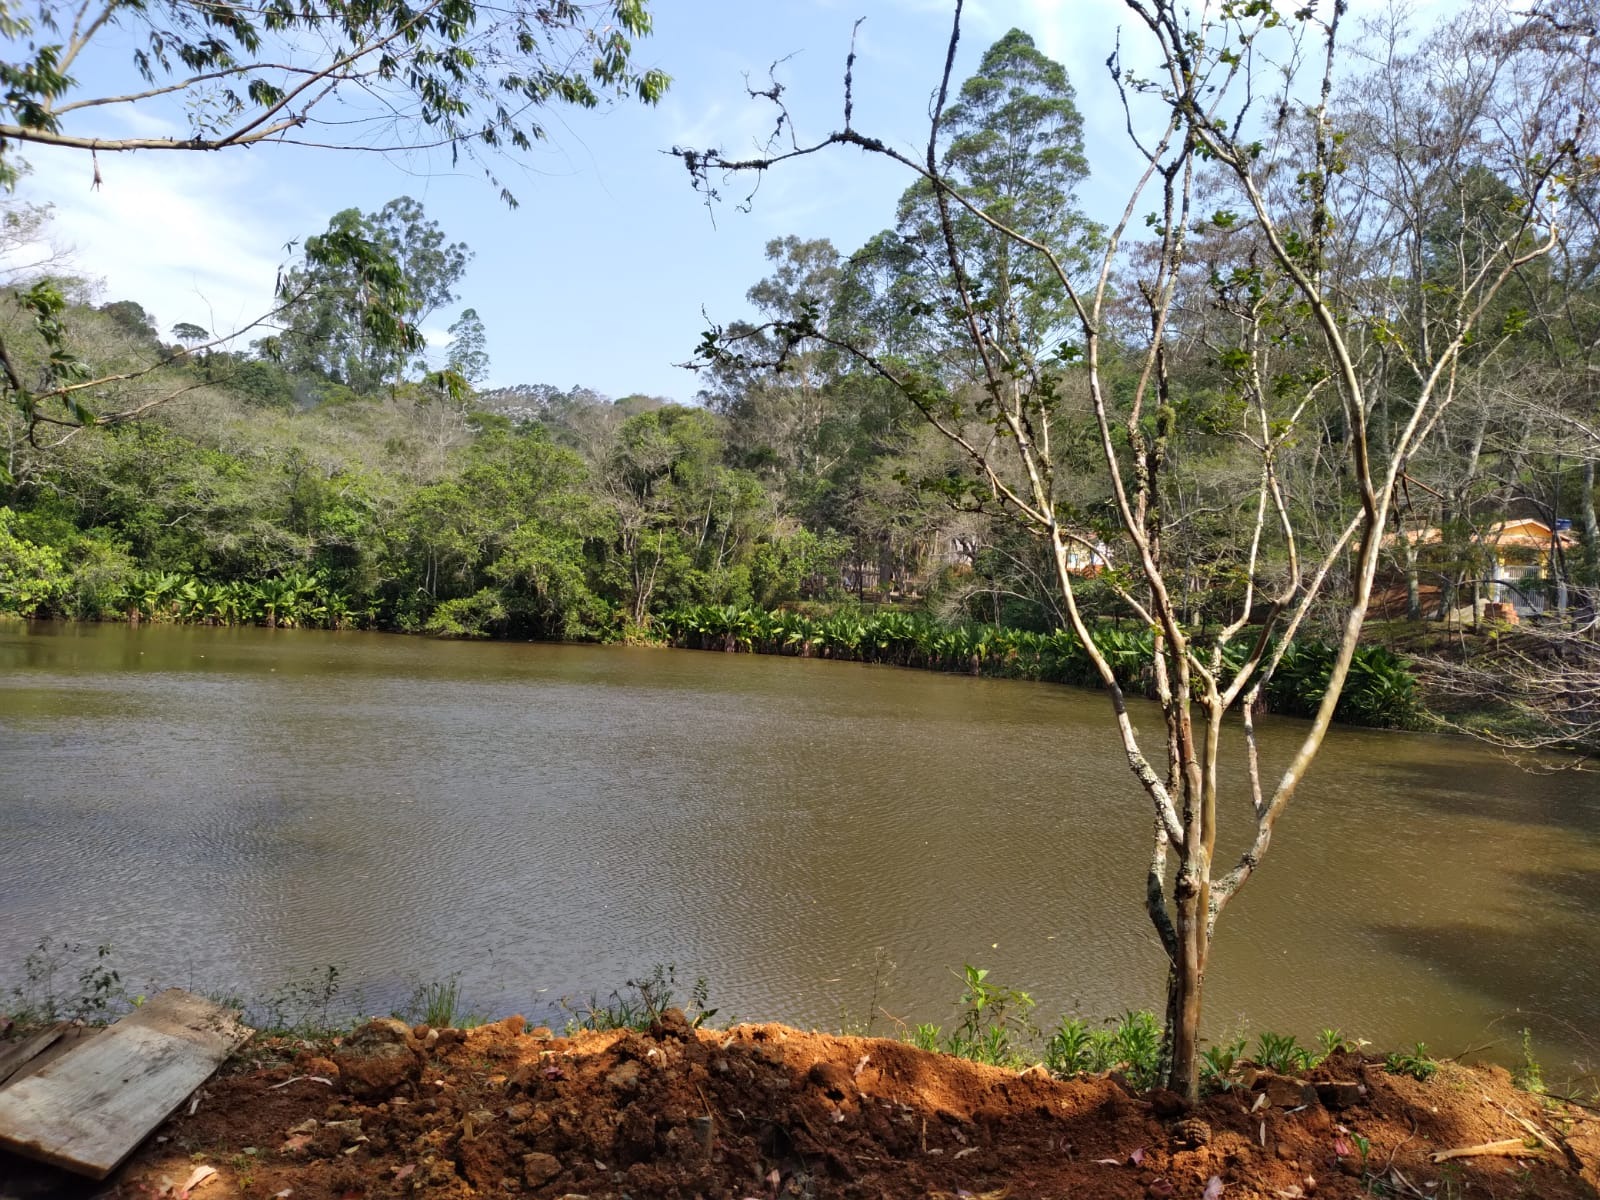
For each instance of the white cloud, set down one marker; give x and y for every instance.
(191, 237)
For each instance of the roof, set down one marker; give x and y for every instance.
(1526, 532)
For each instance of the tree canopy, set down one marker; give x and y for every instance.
(387, 76)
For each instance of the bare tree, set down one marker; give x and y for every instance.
(1316, 348)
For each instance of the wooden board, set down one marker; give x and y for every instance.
(14, 1057)
(70, 1037)
(90, 1109)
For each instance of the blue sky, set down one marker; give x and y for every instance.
(602, 275)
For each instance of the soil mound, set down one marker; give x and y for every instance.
(771, 1112)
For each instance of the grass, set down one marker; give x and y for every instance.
(639, 1003)
(438, 1004)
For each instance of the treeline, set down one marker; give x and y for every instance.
(1381, 690)
(332, 473)
(403, 512)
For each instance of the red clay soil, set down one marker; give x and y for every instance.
(771, 1112)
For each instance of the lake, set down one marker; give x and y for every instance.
(237, 809)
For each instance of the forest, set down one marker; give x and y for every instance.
(329, 474)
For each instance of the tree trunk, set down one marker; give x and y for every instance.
(1413, 585)
(1184, 989)
(1591, 526)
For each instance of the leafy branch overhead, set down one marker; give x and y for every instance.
(344, 74)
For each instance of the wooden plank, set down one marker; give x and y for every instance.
(91, 1108)
(73, 1035)
(12, 1058)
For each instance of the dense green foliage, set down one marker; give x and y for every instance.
(397, 512)
(1381, 691)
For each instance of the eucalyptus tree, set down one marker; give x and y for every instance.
(1012, 142)
(1315, 291)
(356, 304)
(468, 352)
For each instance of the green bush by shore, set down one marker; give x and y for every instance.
(1381, 691)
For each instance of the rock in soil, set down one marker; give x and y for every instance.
(378, 1059)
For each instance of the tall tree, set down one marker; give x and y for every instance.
(357, 303)
(1013, 143)
(468, 353)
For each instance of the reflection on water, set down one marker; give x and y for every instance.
(236, 808)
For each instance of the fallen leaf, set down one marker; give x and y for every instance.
(201, 1176)
(1213, 1188)
(309, 1125)
(1137, 1157)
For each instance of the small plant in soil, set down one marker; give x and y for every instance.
(882, 971)
(301, 1008)
(1415, 1063)
(1282, 1053)
(1132, 1045)
(97, 996)
(1069, 1049)
(639, 1003)
(1529, 1077)
(1218, 1064)
(1137, 1044)
(991, 1014)
(994, 1024)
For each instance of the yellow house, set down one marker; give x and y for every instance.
(1519, 551)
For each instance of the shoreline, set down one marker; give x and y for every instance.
(668, 1109)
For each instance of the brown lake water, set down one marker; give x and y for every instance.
(240, 808)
